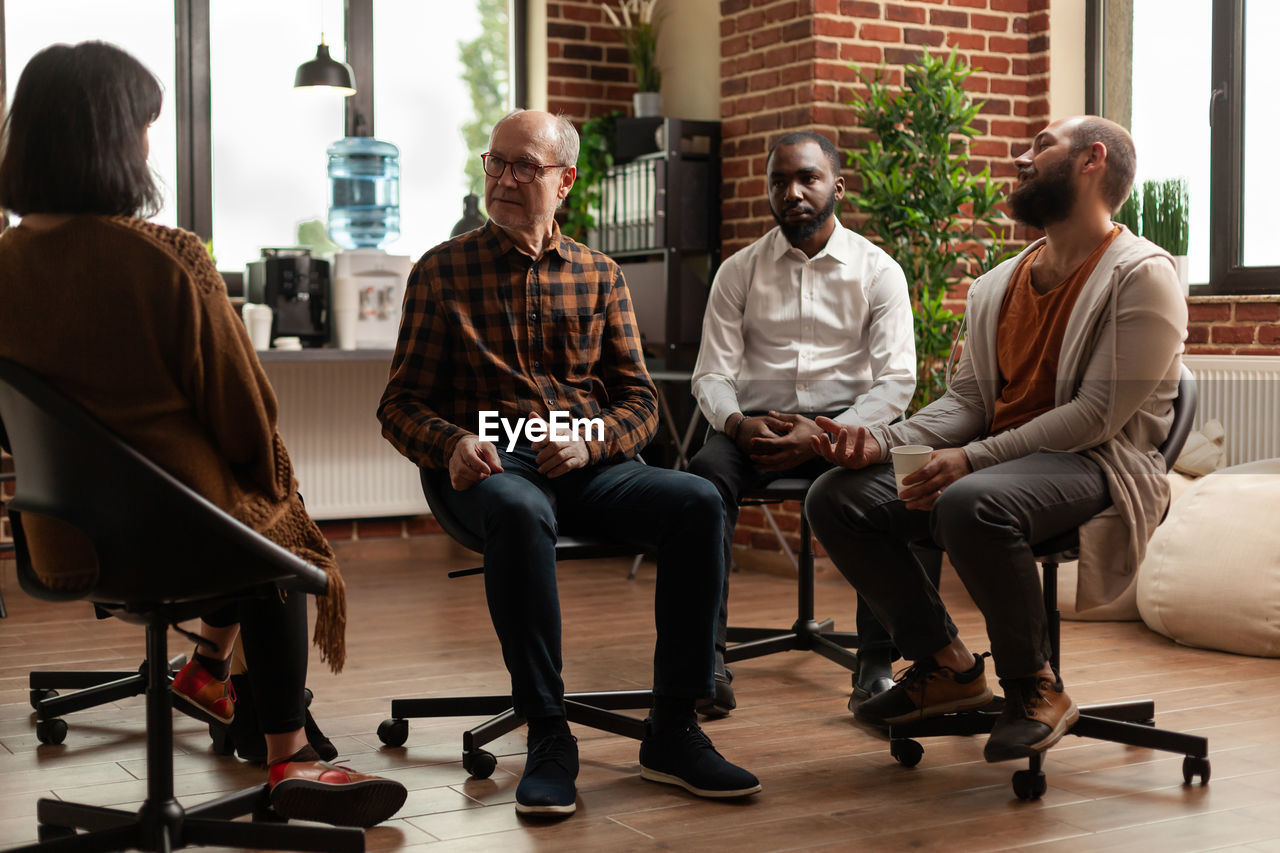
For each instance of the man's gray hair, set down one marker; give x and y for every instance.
(564, 138)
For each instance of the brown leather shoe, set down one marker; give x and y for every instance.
(314, 790)
(1037, 713)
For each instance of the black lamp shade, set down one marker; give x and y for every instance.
(324, 70)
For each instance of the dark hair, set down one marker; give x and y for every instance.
(1122, 160)
(73, 136)
(800, 136)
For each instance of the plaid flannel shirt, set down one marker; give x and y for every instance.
(485, 327)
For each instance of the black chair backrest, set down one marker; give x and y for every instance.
(156, 540)
(1184, 414)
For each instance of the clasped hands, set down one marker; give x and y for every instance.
(474, 460)
(857, 448)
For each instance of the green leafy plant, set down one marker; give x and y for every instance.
(638, 24)
(595, 156)
(925, 205)
(1165, 206)
(1130, 213)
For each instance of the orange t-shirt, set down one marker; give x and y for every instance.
(1029, 339)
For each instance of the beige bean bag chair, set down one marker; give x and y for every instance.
(1211, 577)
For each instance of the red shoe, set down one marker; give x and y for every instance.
(196, 687)
(314, 790)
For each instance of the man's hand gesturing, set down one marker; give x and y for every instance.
(856, 449)
(473, 460)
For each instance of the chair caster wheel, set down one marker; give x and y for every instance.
(47, 832)
(1029, 784)
(393, 732)
(905, 751)
(38, 696)
(1193, 766)
(51, 732)
(480, 763)
(221, 737)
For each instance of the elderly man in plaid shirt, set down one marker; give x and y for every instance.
(516, 319)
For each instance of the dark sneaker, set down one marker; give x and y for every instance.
(925, 689)
(873, 677)
(1037, 713)
(212, 699)
(547, 788)
(314, 790)
(685, 757)
(722, 702)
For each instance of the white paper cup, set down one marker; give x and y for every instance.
(257, 319)
(908, 459)
(344, 326)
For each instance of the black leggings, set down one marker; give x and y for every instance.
(273, 628)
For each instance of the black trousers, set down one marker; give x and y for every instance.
(733, 473)
(273, 630)
(986, 521)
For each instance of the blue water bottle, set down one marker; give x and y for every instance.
(364, 186)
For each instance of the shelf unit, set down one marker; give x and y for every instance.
(659, 219)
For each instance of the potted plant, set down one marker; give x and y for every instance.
(1165, 206)
(637, 25)
(925, 206)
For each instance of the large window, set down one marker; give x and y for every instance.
(268, 140)
(240, 153)
(1195, 83)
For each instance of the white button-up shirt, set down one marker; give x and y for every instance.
(791, 333)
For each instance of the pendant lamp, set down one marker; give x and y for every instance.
(324, 70)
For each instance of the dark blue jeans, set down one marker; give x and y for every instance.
(674, 515)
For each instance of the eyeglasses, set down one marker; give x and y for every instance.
(523, 171)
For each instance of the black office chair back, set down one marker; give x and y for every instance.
(1184, 414)
(156, 540)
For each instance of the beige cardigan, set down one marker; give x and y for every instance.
(132, 320)
(1117, 377)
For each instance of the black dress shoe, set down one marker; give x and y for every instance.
(686, 757)
(873, 677)
(547, 786)
(722, 702)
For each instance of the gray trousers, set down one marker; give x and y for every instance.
(985, 521)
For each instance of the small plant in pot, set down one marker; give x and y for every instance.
(637, 23)
(1165, 214)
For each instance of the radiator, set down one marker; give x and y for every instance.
(1243, 392)
(345, 468)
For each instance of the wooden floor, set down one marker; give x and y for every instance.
(828, 785)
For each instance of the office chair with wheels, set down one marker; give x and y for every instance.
(1130, 723)
(165, 555)
(596, 710)
(806, 633)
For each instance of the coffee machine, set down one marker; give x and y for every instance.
(296, 288)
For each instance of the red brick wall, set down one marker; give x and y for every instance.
(1234, 327)
(785, 65)
(588, 72)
